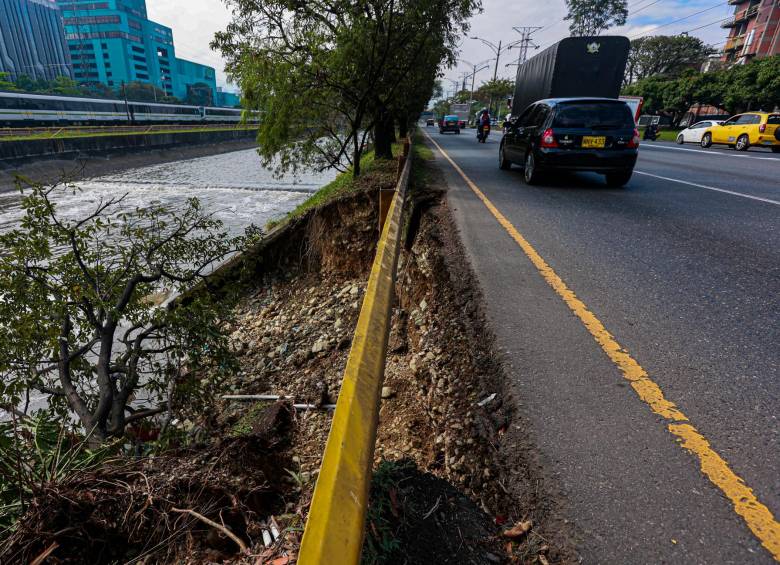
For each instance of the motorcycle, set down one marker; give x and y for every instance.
(651, 133)
(483, 132)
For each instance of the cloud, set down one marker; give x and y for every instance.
(194, 23)
(498, 17)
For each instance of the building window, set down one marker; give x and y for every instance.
(109, 74)
(142, 76)
(139, 59)
(92, 20)
(138, 49)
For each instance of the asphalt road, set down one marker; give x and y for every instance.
(686, 277)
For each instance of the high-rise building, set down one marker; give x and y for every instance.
(191, 80)
(114, 42)
(32, 40)
(754, 30)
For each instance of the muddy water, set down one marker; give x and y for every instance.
(232, 185)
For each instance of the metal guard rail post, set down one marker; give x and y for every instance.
(334, 528)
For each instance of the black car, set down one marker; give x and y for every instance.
(572, 134)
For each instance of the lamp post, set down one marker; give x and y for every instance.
(497, 49)
(473, 74)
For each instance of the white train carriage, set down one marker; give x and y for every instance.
(19, 109)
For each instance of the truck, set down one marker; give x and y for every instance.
(463, 111)
(573, 67)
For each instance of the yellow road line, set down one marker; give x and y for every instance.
(757, 516)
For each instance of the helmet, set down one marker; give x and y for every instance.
(484, 110)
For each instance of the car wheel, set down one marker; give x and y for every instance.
(743, 143)
(457, 131)
(503, 163)
(618, 180)
(706, 141)
(680, 139)
(530, 172)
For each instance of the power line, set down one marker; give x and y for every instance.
(632, 14)
(678, 20)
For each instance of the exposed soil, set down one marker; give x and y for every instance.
(447, 485)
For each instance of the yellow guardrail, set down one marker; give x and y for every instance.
(334, 529)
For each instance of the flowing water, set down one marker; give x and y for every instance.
(233, 186)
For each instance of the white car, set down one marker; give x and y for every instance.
(694, 133)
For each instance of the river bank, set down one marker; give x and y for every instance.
(447, 484)
(51, 170)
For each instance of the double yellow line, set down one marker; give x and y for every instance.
(756, 515)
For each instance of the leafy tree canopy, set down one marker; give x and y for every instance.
(664, 55)
(592, 17)
(328, 73)
(79, 320)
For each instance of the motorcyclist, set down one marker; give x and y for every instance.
(651, 132)
(483, 121)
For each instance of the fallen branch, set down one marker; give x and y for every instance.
(242, 546)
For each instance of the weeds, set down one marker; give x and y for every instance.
(35, 453)
(380, 544)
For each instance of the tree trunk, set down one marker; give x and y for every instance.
(403, 127)
(356, 154)
(384, 132)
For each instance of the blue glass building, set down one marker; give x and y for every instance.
(32, 40)
(114, 42)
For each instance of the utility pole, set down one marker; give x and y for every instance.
(525, 42)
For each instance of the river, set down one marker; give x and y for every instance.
(234, 186)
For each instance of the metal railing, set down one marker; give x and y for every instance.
(54, 132)
(335, 526)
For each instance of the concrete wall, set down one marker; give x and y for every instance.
(13, 152)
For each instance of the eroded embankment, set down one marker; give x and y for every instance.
(443, 488)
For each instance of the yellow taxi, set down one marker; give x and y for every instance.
(757, 129)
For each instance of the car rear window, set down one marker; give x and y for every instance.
(599, 115)
(774, 119)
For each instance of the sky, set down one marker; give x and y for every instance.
(194, 23)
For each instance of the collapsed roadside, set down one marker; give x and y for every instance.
(236, 481)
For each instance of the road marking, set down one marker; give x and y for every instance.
(757, 516)
(653, 146)
(723, 190)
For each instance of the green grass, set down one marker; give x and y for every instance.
(72, 135)
(664, 134)
(342, 184)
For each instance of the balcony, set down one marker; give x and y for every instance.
(741, 16)
(734, 43)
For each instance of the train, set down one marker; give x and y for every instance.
(21, 109)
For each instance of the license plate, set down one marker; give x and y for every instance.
(595, 142)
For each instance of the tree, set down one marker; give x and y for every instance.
(64, 86)
(97, 90)
(358, 67)
(5, 83)
(79, 322)
(142, 92)
(664, 55)
(591, 17)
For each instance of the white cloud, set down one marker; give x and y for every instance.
(498, 18)
(194, 23)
